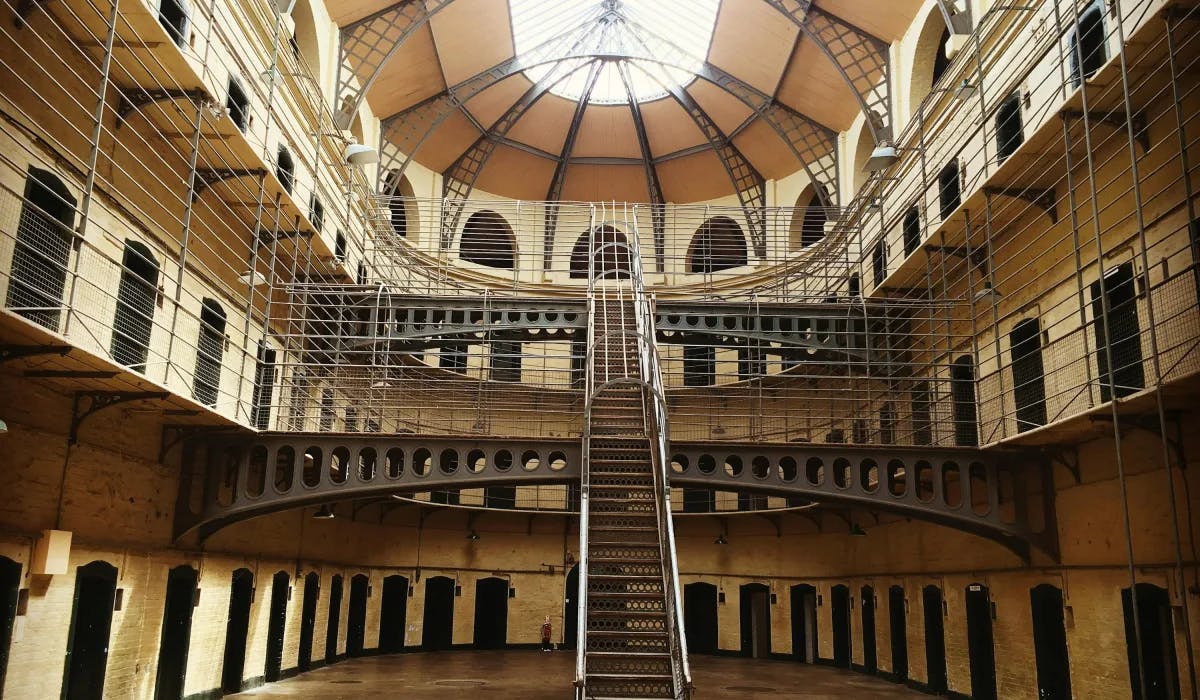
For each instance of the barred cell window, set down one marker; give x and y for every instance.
(962, 389)
(210, 348)
(137, 293)
(949, 189)
(173, 16)
(699, 365)
(1010, 132)
(285, 169)
(237, 103)
(488, 240)
(264, 387)
(506, 361)
(1087, 49)
(316, 212)
(453, 357)
(42, 249)
(910, 229)
(1029, 378)
(855, 286)
(1117, 333)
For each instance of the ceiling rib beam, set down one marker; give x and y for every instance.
(658, 212)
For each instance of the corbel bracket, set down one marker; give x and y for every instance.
(207, 177)
(88, 403)
(1117, 120)
(1044, 199)
(976, 255)
(173, 435)
(23, 10)
(1067, 457)
(16, 352)
(135, 98)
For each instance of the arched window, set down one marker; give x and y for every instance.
(237, 103)
(879, 263)
(210, 348)
(962, 389)
(610, 249)
(1029, 378)
(42, 249)
(488, 240)
(930, 61)
(941, 59)
(719, 244)
(396, 188)
(1010, 133)
(285, 169)
(808, 223)
(316, 212)
(264, 387)
(173, 16)
(949, 189)
(305, 46)
(1087, 49)
(910, 229)
(136, 295)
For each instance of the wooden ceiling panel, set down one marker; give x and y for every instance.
(491, 104)
(472, 36)
(726, 110)
(546, 124)
(607, 131)
(694, 178)
(344, 12)
(598, 183)
(448, 142)
(767, 152)
(412, 75)
(886, 20)
(753, 41)
(814, 87)
(514, 173)
(669, 127)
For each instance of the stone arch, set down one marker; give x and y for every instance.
(718, 244)
(930, 60)
(809, 218)
(488, 240)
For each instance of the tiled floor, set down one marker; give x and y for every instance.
(533, 675)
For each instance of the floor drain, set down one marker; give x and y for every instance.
(460, 683)
(750, 689)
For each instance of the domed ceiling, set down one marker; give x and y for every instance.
(633, 100)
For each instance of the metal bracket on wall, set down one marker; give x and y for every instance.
(1043, 199)
(173, 435)
(1067, 457)
(23, 10)
(135, 98)
(16, 352)
(207, 177)
(87, 403)
(1118, 120)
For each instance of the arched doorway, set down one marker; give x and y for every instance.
(1050, 643)
(308, 620)
(334, 621)
(839, 601)
(870, 657)
(10, 588)
(276, 624)
(700, 617)
(237, 626)
(176, 633)
(718, 244)
(491, 613)
(571, 608)
(393, 616)
(91, 621)
(1155, 655)
(609, 247)
(980, 646)
(356, 621)
(42, 249)
(898, 629)
(437, 625)
(755, 616)
(935, 638)
(804, 623)
(136, 295)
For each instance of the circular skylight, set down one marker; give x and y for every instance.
(677, 32)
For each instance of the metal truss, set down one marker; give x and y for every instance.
(653, 184)
(981, 492)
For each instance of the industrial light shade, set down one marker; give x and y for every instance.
(324, 513)
(252, 278)
(965, 90)
(358, 154)
(883, 157)
(988, 293)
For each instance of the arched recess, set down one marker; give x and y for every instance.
(10, 588)
(437, 624)
(42, 249)
(402, 209)
(237, 629)
(933, 610)
(1150, 642)
(609, 247)
(91, 623)
(571, 608)
(700, 617)
(717, 245)
(176, 633)
(334, 620)
(393, 615)
(804, 623)
(1050, 650)
(308, 619)
(862, 152)
(488, 240)
(809, 218)
(754, 602)
(356, 621)
(930, 60)
(276, 625)
(980, 643)
(305, 45)
(491, 613)
(136, 295)
(898, 631)
(839, 605)
(867, 610)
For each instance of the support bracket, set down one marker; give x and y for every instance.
(23, 10)
(1118, 120)
(267, 238)
(88, 403)
(1044, 199)
(16, 352)
(1067, 457)
(207, 177)
(136, 98)
(173, 435)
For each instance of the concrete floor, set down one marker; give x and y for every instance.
(534, 675)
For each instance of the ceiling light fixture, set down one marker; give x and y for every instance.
(359, 154)
(883, 157)
(252, 278)
(987, 293)
(324, 513)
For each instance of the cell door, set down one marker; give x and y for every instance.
(898, 627)
(334, 624)
(237, 626)
(870, 657)
(980, 646)
(10, 588)
(356, 623)
(437, 627)
(176, 633)
(571, 608)
(839, 599)
(700, 617)
(91, 622)
(491, 613)
(393, 616)
(804, 623)
(1151, 643)
(1050, 643)
(755, 609)
(276, 625)
(935, 638)
(308, 619)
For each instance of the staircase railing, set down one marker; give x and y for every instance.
(658, 429)
(588, 389)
